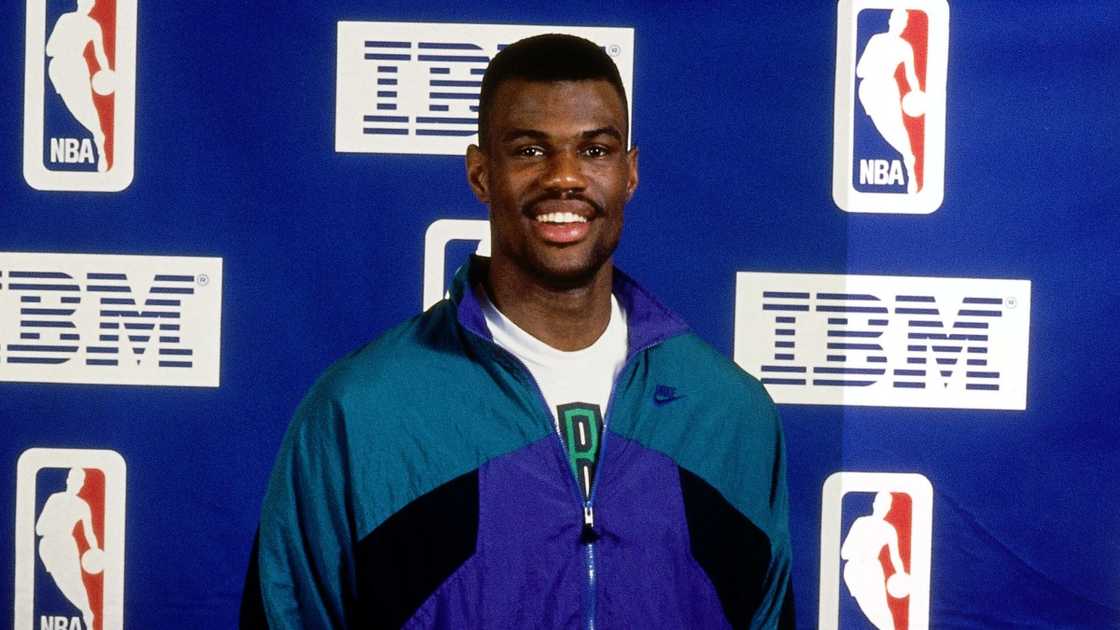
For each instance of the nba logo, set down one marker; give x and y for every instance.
(876, 534)
(79, 94)
(447, 244)
(69, 540)
(889, 126)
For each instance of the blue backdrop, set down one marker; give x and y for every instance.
(733, 114)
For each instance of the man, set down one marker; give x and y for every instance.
(548, 448)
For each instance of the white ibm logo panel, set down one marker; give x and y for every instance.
(891, 341)
(410, 87)
(110, 319)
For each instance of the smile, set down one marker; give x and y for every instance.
(560, 217)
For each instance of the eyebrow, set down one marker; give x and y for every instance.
(603, 131)
(535, 134)
(514, 134)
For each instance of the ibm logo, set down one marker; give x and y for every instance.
(454, 78)
(143, 320)
(413, 87)
(885, 340)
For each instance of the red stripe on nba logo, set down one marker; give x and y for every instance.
(917, 34)
(93, 493)
(105, 14)
(900, 516)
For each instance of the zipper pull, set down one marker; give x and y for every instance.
(588, 534)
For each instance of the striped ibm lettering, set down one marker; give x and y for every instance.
(130, 326)
(941, 344)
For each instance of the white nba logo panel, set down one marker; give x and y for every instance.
(110, 319)
(889, 113)
(79, 110)
(412, 87)
(893, 513)
(70, 520)
(889, 341)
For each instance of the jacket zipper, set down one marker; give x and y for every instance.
(588, 535)
(589, 563)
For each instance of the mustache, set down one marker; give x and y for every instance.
(561, 195)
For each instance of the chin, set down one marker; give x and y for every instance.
(568, 272)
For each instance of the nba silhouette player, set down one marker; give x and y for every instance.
(70, 74)
(58, 549)
(863, 573)
(878, 90)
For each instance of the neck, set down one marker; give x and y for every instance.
(566, 317)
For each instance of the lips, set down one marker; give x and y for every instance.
(579, 206)
(561, 221)
(561, 217)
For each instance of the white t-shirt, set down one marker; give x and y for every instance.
(576, 385)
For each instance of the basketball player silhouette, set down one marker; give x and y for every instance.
(878, 90)
(863, 573)
(58, 548)
(69, 73)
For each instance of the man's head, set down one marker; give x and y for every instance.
(545, 59)
(552, 162)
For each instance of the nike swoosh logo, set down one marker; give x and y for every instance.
(664, 395)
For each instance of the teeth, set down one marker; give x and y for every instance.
(561, 217)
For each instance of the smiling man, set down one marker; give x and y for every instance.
(554, 169)
(550, 447)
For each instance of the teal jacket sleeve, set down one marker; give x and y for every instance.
(776, 608)
(306, 538)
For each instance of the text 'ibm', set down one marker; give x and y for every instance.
(98, 318)
(859, 334)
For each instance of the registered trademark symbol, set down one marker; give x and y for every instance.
(614, 50)
(203, 279)
(1011, 302)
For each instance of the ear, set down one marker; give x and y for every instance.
(478, 173)
(632, 172)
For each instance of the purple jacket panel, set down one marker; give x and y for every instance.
(529, 568)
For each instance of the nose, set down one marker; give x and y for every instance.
(564, 172)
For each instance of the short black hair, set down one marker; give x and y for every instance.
(546, 58)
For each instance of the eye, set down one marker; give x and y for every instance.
(596, 151)
(531, 150)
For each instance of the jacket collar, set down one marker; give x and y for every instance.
(648, 321)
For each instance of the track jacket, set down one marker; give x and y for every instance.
(422, 484)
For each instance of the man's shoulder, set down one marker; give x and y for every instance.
(713, 420)
(698, 366)
(400, 356)
(697, 405)
(411, 380)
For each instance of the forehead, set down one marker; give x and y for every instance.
(557, 107)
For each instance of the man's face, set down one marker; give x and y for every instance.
(556, 175)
